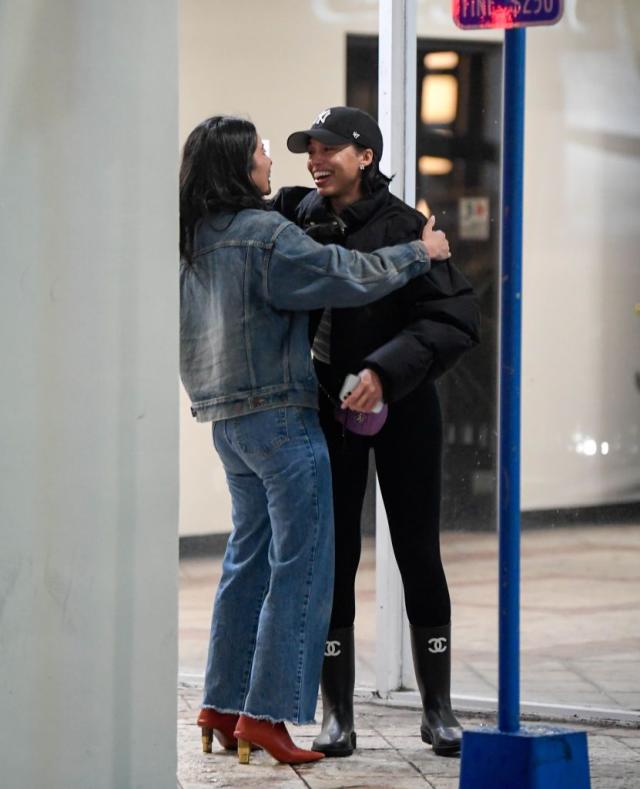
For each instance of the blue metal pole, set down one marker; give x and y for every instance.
(510, 362)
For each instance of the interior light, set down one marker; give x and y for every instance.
(604, 447)
(441, 60)
(434, 165)
(439, 102)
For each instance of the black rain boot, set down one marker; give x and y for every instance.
(431, 648)
(337, 737)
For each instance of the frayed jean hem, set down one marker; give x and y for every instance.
(256, 716)
(271, 719)
(222, 710)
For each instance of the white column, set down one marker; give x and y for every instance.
(397, 119)
(397, 94)
(88, 425)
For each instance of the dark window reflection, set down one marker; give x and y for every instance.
(458, 178)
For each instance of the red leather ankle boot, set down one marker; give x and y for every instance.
(221, 724)
(274, 738)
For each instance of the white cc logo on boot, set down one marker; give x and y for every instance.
(437, 645)
(332, 649)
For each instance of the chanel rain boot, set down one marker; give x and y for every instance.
(431, 648)
(337, 737)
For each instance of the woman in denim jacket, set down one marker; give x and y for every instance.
(247, 279)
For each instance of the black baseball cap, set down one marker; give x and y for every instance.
(340, 126)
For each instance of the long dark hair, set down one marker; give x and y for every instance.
(215, 173)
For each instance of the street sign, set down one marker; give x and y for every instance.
(474, 14)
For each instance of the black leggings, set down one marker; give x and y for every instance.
(408, 462)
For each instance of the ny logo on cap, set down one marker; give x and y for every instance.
(323, 116)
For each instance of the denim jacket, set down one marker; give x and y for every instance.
(244, 302)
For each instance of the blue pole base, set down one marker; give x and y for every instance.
(536, 757)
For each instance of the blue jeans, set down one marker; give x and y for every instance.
(273, 604)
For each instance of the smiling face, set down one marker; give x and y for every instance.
(261, 169)
(336, 171)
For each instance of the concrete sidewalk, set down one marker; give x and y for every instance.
(390, 754)
(580, 653)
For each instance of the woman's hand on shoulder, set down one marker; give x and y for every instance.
(435, 241)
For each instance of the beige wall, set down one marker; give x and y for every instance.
(280, 62)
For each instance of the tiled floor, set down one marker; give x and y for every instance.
(390, 755)
(580, 621)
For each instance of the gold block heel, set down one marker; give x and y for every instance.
(207, 739)
(244, 751)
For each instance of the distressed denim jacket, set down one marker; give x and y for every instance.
(244, 302)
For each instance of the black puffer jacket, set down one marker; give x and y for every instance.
(412, 335)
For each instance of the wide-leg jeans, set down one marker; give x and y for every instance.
(273, 603)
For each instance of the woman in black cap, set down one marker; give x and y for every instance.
(397, 347)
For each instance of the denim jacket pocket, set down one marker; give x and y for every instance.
(261, 433)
